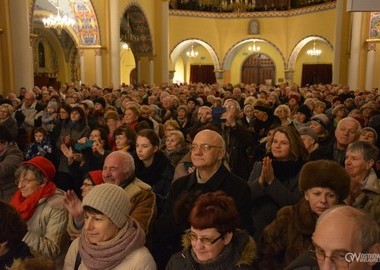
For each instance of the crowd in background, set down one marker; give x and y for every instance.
(283, 155)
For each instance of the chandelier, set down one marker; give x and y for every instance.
(58, 22)
(254, 48)
(192, 53)
(314, 51)
(228, 5)
(124, 45)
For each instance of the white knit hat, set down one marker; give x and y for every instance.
(111, 200)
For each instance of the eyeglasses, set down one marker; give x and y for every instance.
(338, 258)
(24, 181)
(229, 108)
(204, 240)
(204, 147)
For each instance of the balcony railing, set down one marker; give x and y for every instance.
(242, 5)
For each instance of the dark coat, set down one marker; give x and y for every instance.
(239, 145)
(287, 236)
(168, 230)
(159, 175)
(269, 199)
(241, 255)
(20, 251)
(10, 160)
(306, 261)
(326, 151)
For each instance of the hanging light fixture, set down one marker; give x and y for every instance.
(124, 46)
(314, 51)
(254, 48)
(192, 53)
(58, 22)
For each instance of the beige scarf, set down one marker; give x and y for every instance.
(109, 254)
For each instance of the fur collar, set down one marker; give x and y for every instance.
(304, 218)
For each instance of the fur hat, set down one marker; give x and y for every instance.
(44, 165)
(325, 174)
(322, 119)
(368, 105)
(306, 111)
(89, 103)
(101, 101)
(112, 115)
(96, 177)
(111, 200)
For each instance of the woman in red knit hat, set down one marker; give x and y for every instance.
(40, 204)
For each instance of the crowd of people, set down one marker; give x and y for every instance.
(189, 177)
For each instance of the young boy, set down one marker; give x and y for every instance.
(41, 145)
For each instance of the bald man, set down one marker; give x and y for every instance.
(207, 154)
(346, 238)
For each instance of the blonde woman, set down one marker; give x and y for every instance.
(283, 113)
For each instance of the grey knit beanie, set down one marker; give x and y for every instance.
(111, 200)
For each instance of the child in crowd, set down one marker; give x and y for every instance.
(50, 116)
(41, 145)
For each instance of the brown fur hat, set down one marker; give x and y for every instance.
(326, 174)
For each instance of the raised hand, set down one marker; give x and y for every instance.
(74, 205)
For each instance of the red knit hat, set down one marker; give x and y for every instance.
(96, 177)
(44, 165)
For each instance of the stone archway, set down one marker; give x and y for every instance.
(134, 30)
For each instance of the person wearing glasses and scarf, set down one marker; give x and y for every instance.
(40, 204)
(214, 240)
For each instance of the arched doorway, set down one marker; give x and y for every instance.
(257, 68)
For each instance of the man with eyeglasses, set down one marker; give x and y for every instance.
(207, 155)
(346, 238)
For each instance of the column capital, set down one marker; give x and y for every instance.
(219, 73)
(98, 52)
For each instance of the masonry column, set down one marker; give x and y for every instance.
(165, 41)
(98, 67)
(338, 41)
(151, 71)
(370, 66)
(115, 42)
(353, 64)
(21, 49)
(219, 76)
(138, 70)
(82, 66)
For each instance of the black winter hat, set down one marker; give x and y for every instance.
(325, 174)
(102, 101)
(306, 111)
